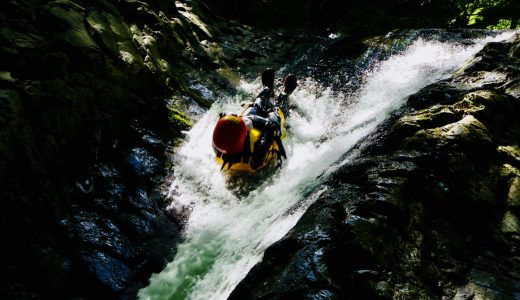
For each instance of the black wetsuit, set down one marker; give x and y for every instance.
(264, 116)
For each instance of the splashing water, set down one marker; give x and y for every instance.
(227, 234)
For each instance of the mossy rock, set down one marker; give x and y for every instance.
(126, 46)
(406, 127)
(513, 88)
(99, 22)
(6, 76)
(178, 32)
(230, 75)
(510, 152)
(483, 97)
(508, 171)
(513, 195)
(469, 132)
(468, 106)
(178, 119)
(202, 30)
(498, 115)
(514, 52)
(483, 79)
(434, 116)
(70, 15)
(118, 39)
(149, 48)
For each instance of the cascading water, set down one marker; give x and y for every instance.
(228, 230)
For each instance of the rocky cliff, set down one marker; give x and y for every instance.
(428, 209)
(92, 94)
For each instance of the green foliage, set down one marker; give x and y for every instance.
(491, 14)
(501, 25)
(475, 16)
(357, 17)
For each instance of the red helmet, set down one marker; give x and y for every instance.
(229, 135)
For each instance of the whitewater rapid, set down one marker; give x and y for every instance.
(228, 229)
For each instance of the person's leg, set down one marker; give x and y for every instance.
(265, 141)
(263, 102)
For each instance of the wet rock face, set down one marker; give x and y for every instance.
(430, 211)
(84, 127)
(93, 94)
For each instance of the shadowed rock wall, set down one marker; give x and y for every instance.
(86, 114)
(93, 95)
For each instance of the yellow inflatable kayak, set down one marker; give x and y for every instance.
(234, 144)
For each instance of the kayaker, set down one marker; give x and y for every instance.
(231, 135)
(263, 114)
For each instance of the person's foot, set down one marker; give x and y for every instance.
(268, 78)
(290, 83)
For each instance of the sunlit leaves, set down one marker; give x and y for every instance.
(491, 14)
(502, 24)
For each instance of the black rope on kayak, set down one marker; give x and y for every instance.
(229, 160)
(246, 155)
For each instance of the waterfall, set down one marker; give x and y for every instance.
(233, 220)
